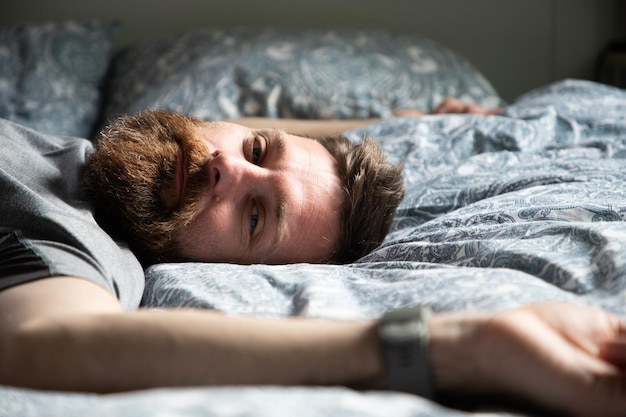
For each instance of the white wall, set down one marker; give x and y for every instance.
(518, 44)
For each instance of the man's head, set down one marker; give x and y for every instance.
(184, 189)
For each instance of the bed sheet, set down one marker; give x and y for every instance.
(500, 211)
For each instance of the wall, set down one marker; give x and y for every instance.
(518, 44)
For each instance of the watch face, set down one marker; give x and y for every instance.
(401, 331)
(404, 336)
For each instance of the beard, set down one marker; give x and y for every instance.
(131, 177)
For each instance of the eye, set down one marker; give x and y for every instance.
(254, 218)
(256, 150)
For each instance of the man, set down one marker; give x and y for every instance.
(71, 330)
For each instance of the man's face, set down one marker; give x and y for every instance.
(269, 197)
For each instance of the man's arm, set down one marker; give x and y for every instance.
(68, 333)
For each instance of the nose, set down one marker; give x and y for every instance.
(233, 175)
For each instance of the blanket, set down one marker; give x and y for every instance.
(500, 211)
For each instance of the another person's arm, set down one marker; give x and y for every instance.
(320, 128)
(305, 127)
(67, 333)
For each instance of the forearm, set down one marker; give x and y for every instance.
(457, 353)
(126, 351)
(67, 333)
(334, 127)
(316, 128)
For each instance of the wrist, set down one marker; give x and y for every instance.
(457, 357)
(404, 340)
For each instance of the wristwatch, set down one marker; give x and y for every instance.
(404, 337)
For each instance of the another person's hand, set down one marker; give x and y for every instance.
(453, 105)
(564, 357)
(449, 105)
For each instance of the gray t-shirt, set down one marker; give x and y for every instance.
(46, 223)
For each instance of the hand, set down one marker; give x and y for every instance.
(563, 357)
(449, 105)
(453, 105)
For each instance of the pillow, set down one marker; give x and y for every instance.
(51, 75)
(216, 74)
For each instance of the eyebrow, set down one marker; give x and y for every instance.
(276, 140)
(277, 145)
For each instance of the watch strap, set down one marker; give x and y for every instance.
(404, 338)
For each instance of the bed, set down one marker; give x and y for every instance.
(500, 211)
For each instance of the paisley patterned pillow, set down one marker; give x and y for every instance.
(51, 75)
(214, 74)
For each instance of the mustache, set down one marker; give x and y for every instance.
(197, 182)
(132, 174)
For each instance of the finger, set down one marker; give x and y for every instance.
(449, 105)
(614, 350)
(475, 109)
(608, 396)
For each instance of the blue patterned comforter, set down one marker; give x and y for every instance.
(500, 211)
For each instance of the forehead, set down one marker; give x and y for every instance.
(313, 206)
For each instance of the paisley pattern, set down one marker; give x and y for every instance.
(216, 74)
(51, 75)
(500, 211)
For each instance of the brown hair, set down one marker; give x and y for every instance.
(372, 189)
(129, 176)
